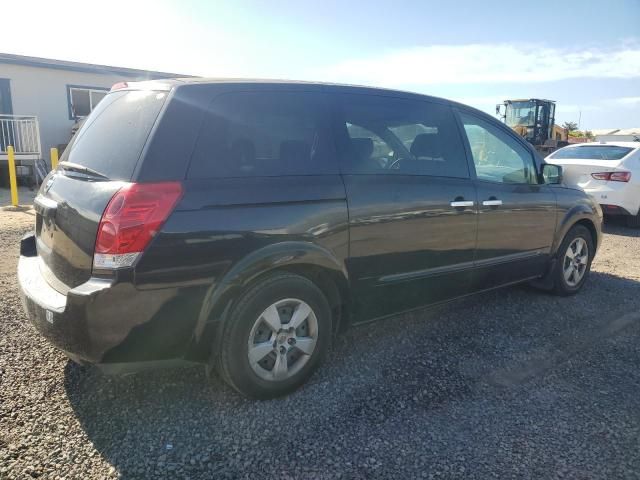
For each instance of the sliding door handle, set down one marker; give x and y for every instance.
(462, 203)
(492, 203)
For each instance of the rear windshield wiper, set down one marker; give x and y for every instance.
(74, 167)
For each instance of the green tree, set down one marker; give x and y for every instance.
(588, 134)
(570, 126)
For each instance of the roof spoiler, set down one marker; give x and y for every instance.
(158, 85)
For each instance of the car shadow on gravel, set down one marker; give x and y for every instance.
(401, 371)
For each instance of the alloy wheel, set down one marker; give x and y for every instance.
(282, 339)
(575, 261)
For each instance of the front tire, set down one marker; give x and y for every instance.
(574, 261)
(276, 335)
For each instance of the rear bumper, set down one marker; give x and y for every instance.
(609, 210)
(61, 319)
(105, 322)
(624, 196)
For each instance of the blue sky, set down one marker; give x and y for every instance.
(585, 55)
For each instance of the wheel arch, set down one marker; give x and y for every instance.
(580, 214)
(588, 223)
(546, 282)
(306, 259)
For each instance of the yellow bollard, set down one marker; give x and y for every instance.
(12, 176)
(54, 158)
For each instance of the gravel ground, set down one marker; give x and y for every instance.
(510, 384)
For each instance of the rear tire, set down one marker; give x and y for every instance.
(633, 221)
(574, 261)
(274, 338)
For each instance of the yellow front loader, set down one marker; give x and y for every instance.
(534, 120)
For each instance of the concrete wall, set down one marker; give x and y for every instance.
(43, 92)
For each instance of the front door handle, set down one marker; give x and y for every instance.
(493, 202)
(462, 203)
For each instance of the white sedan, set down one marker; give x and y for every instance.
(608, 171)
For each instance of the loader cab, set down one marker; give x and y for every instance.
(533, 119)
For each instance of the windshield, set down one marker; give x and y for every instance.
(595, 152)
(111, 139)
(520, 113)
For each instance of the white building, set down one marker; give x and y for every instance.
(41, 99)
(617, 135)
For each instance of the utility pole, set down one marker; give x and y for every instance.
(579, 118)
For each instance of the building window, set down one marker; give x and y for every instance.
(82, 100)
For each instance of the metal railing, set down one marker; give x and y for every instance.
(20, 131)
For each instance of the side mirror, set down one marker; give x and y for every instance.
(552, 174)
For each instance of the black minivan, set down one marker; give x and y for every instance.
(242, 224)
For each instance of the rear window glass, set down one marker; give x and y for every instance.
(595, 152)
(111, 139)
(263, 134)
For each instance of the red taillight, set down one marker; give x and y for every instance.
(613, 176)
(119, 86)
(620, 176)
(132, 218)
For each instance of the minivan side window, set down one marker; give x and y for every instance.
(385, 135)
(498, 157)
(263, 134)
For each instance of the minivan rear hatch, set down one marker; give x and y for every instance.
(101, 157)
